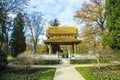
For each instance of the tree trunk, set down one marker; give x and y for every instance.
(98, 61)
(35, 46)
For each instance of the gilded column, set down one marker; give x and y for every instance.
(75, 48)
(50, 48)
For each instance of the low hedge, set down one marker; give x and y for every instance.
(45, 62)
(82, 61)
(35, 61)
(87, 61)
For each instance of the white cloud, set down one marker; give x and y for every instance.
(61, 9)
(41, 38)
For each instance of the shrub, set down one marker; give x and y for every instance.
(9, 58)
(49, 62)
(28, 58)
(87, 61)
(3, 60)
(83, 61)
(45, 62)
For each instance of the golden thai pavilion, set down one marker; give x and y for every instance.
(62, 36)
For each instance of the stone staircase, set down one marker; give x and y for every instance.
(65, 61)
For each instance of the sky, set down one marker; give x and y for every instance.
(63, 10)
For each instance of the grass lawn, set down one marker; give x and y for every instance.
(48, 75)
(22, 74)
(105, 73)
(86, 73)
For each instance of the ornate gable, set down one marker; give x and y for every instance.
(61, 31)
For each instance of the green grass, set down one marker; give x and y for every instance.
(22, 74)
(48, 75)
(105, 73)
(86, 73)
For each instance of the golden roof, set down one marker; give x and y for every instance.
(62, 40)
(55, 30)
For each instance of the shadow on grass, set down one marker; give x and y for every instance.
(23, 74)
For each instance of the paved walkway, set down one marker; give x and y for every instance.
(67, 72)
(63, 72)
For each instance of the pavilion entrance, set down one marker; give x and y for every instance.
(62, 36)
(65, 44)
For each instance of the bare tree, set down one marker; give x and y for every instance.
(35, 23)
(8, 7)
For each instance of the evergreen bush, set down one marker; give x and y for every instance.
(3, 60)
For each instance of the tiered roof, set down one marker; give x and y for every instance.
(60, 31)
(54, 30)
